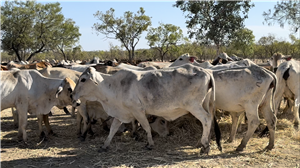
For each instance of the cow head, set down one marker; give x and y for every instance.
(86, 84)
(184, 59)
(64, 92)
(42, 65)
(277, 58)
(159, 125)
(225, 58)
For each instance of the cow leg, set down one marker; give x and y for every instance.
(134, 130)
(85, 118)
(47, 124)
(142, 119)
(104, 125)
(235, 123)
(296, 112)
(22, 113)
(206, 119)
(66, 111)
(271, 123)
(253, 122)
(40, 123)
(113, 129)
(73, 112)
(89, 129)
(79, 120)
(289, 106)
(15, 117)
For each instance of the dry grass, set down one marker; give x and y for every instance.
(177, 150)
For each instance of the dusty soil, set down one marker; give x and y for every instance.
(177, 150)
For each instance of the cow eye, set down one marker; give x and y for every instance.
(83, 80)
(162, 122)
(180, 59)
(69, 89)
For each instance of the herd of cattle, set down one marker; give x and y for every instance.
(153, 93)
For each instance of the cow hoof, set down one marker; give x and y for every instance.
(20, 139)
(101, 150)
(229, 141)
(149, 147)
(50, 113)
(42, 136)
(23, 144)
(269, 147)
(239, 149)
(82, 139)
(204, 150)
(52, 133)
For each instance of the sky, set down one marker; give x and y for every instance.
(160, 11)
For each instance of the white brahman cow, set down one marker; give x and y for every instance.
(288, 74)
(29, 91)
(243, 86)
(130, 95)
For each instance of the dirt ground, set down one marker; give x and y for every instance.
(177, 150)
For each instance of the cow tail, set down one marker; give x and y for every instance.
(218, 134)
(274, 85)
(216, 125)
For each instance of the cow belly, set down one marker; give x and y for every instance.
(7, 102)
(169, 115)
(228, 104)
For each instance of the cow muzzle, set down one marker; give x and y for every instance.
(76, 103)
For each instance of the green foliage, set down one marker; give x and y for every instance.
(164, 36)
(244, 41)
(67, 36)
(214, 21)
(285, 12)
(126, 29)
(269, 44)
(29, 28)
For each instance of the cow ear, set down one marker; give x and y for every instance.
(288, 58)
(59, 90)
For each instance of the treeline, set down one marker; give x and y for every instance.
(263, 49)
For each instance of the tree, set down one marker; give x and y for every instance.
(164, 36)
(244, 41)
(67, 36)
(29, 28)
(295, 47)
(126, 29)
(285, 12)
(269, 44)
(214, 22)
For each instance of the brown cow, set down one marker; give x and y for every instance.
(3, 68)
(37, 66)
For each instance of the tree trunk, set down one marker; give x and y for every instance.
(132, 53)
(161, 55)
(218, 49)
(129, 56)
(16, 52)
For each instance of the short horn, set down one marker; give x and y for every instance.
(59, 90)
